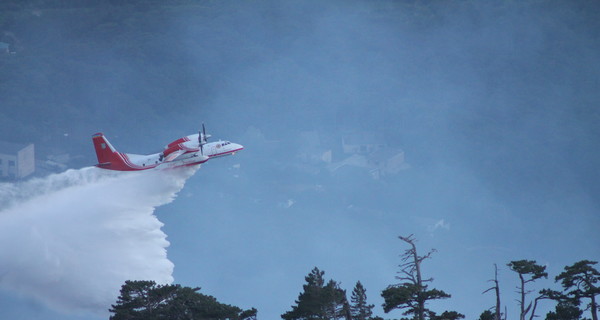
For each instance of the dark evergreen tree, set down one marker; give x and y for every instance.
(581, 281)
(319, 301)
(308, 300)
(565, 310)
(412, 294)
(336, 303)
(487, 315)
(360, 309)
(528, 272)
(141, 300)
(446, 315)
(145, 300)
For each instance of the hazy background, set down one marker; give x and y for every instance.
(495, 105)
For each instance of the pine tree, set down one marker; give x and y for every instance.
(446, 315)
(582, 280)
(359, 309)
(319, 301)
(487, 315)
(336, 303)
(528, 272)
(565, 310)
(146, 300)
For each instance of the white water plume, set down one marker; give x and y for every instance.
(71, 239)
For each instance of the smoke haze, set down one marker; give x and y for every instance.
(78, 235)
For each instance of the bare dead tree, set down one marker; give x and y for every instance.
(496, 288)
(412, 293)
(411, 268)
(412, 262)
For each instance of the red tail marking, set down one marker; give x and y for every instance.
(108, 157)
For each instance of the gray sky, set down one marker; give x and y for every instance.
(495, 110)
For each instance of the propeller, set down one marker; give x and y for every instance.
(202, 138)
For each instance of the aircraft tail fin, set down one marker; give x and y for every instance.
(108, 157)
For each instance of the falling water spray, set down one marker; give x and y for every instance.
(71, 239)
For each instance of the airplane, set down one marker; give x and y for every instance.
(187, 151)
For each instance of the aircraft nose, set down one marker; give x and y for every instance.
(238, 146)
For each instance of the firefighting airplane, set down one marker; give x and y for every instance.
(187, 151)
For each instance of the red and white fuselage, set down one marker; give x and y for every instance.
(186, 151)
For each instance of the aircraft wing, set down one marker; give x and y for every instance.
(172, 156)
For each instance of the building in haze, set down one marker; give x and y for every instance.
(16, 161)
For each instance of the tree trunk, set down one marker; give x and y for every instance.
(522, 302)
(420, 301)
(497, 289)
(594, 308)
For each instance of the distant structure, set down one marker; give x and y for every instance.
(362, 150)
(361, 143)
(4, 48)
(16, 161)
